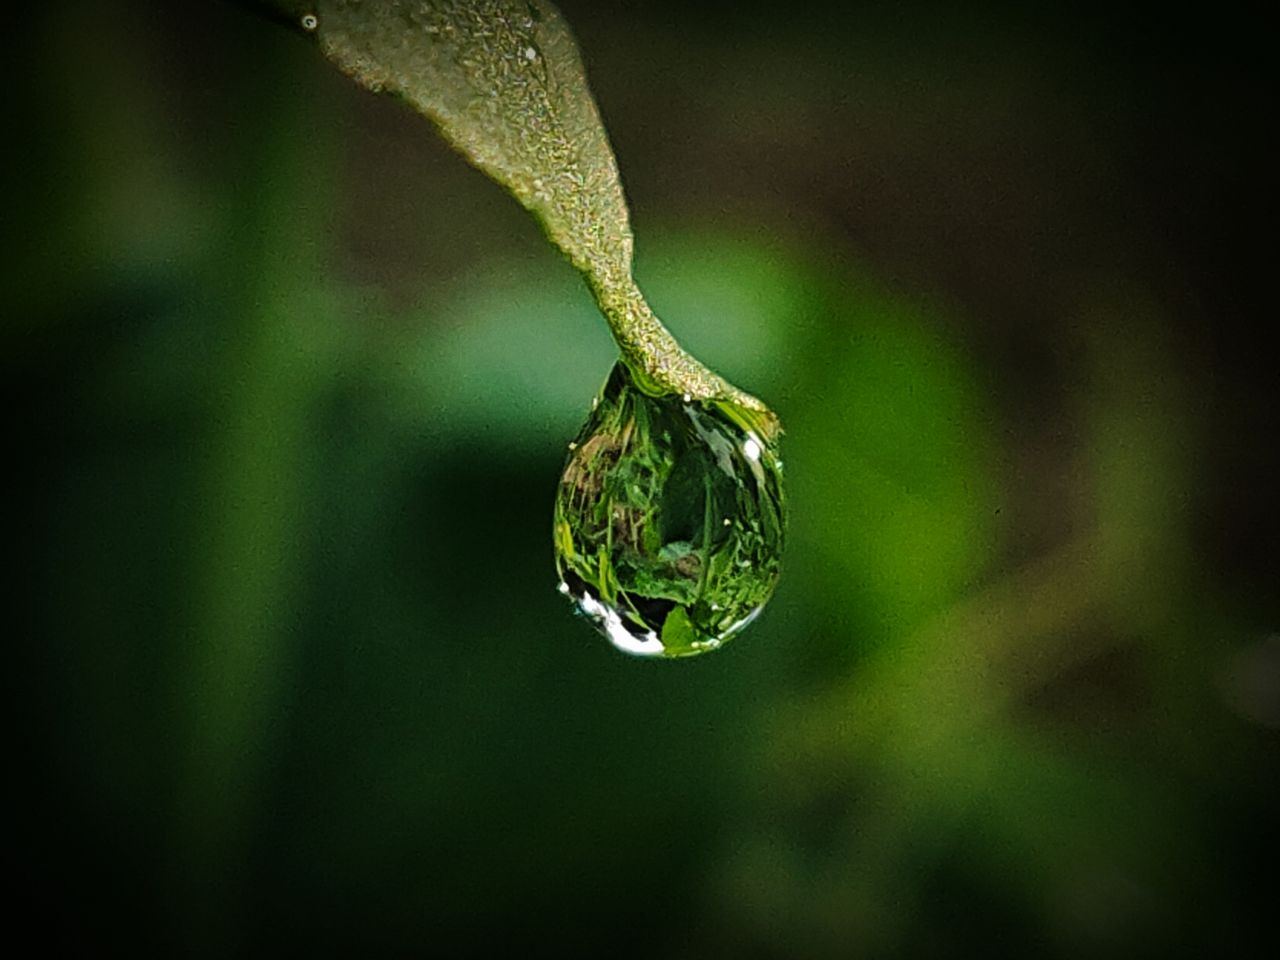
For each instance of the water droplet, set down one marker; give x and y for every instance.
(310, 21)
(669, 520)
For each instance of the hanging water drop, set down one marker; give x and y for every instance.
(669, 519)
(669, 516)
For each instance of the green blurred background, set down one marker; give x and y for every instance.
(289, 387)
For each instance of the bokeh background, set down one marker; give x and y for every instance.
(288, 387)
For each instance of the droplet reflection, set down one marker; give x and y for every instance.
(669, 519)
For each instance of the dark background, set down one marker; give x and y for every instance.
(288, 387)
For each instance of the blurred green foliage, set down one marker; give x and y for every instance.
(289, 386)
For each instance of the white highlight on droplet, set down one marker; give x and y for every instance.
(735, 628)
(530, 54)
(751, 448)
(646, 646)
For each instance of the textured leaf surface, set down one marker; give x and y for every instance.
(503, 81)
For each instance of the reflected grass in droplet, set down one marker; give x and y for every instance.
(669, 519)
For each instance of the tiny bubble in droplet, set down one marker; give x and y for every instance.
(310, 21)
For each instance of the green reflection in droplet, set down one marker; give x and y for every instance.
(669, 518)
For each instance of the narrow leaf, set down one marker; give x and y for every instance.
(503, 81)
